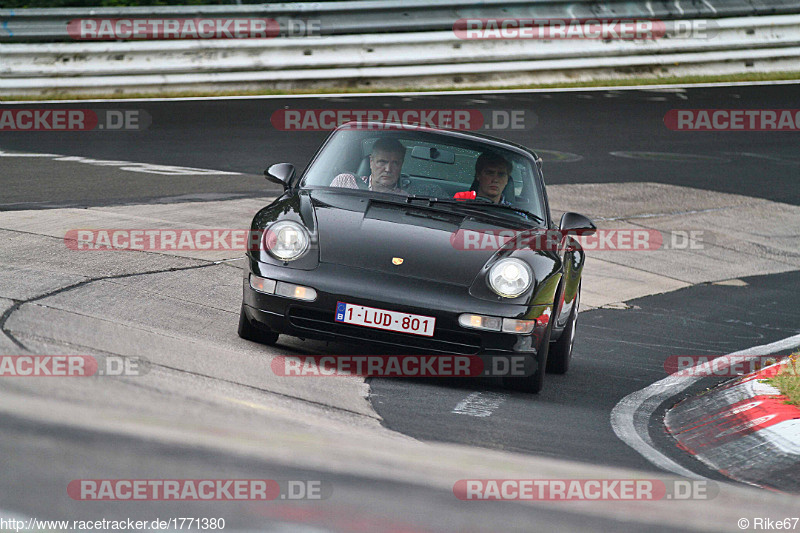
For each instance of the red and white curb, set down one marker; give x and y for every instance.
(743, 429)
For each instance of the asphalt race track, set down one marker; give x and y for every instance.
(208, 408)
(619, 352)
(237, 136)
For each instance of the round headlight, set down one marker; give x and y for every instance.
(510, 277)
(286, 240)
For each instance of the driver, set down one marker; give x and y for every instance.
(385, 162)
(491, 177)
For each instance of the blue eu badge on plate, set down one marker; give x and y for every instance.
(340, 307)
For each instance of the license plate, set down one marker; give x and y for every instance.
(382, 319)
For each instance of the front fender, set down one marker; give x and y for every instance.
(547, 272)
(574, 260)
(290, 206)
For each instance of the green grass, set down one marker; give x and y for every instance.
(788, 382)
(753, 76)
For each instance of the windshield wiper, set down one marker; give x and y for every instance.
(396, 199)
(471, 206)
(430, 199)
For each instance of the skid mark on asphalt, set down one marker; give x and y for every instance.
(19, 303)
(480, 404)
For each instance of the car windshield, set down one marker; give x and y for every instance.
(425, 164)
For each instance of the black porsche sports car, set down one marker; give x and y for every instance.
(405, 238)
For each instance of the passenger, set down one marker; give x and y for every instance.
(385, 162)
(492, 172)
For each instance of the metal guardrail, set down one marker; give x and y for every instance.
(391, 44)
(391, 16)
(433, 59)
(360, 51)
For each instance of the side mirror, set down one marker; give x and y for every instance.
(577, 223)
(280, 173)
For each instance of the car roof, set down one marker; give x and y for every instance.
(459, 134)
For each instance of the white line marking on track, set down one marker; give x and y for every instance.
(776, 159)
(709, 6)
(631, 416)
(480, 404)
(25, 154)
(146, 168)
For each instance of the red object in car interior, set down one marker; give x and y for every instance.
(466, 195)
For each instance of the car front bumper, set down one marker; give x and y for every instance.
(444, 302)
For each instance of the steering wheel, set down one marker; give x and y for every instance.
(483, 199)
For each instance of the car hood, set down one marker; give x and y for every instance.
(367, 233)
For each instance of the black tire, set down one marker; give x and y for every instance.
(535, 382)
(561, 350)
(248, 332)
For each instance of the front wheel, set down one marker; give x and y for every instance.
(561, 350)
(248, 332)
